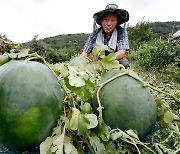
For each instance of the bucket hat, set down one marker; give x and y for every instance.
(123, 15)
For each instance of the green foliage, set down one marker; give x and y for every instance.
(61, 55)
(79, 130)
(173, 70)
(143, 32)
(58, 49)
(164, 29)
(157, 54)
(139, 34)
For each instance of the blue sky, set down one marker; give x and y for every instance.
(22, 19)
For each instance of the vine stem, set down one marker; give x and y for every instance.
(36, 56)
(98, 95)
(100, 118)
(153, 88)
(126, 72)
(176, 151)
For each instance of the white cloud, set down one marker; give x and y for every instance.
(22, 19)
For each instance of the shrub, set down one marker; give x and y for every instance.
(157, 54)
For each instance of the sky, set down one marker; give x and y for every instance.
(23, 19)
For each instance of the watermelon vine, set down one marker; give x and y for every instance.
(79, 130)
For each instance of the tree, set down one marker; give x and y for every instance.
(141, 33)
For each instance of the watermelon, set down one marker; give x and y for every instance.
(30, 104)
(127, 103)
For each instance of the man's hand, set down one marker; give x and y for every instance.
(120, 54)
(84, 54)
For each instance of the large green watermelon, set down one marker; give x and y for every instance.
(127, 104)
(30, 104)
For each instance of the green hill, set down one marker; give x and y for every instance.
(163, 29)
(62, 47)
(77, 41)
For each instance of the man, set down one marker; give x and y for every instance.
(110, 33)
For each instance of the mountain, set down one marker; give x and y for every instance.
(164, 29)
(77, 41)
(63, 47)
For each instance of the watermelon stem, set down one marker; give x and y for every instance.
(100, 118)
(126, 72)
(154, 88)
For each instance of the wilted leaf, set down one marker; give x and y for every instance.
(59, 143)
(96, 144)
(132, 134)
(168, 117)
(116, 135)
(46, 145)
(69, 148)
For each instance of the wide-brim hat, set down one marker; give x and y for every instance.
(123, 15)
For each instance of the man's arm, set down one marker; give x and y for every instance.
(88, 46)
(122, 45)
(120, 54)
(84, 54)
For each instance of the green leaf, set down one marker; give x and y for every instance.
(74, 119)
(112, 148)
(62, 69)
(23, 53)
(92, 119)
(13, 55)
(103, 131)
(109, 62)
(86, 108)
(46, 145)
(83, 92)
(162, 110)
(69, 148)
(96, 144)
(90, 85)
(83, 75)
(74, 79)
(82, 125)
(99, 48)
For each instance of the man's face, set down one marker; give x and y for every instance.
(109, 23)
